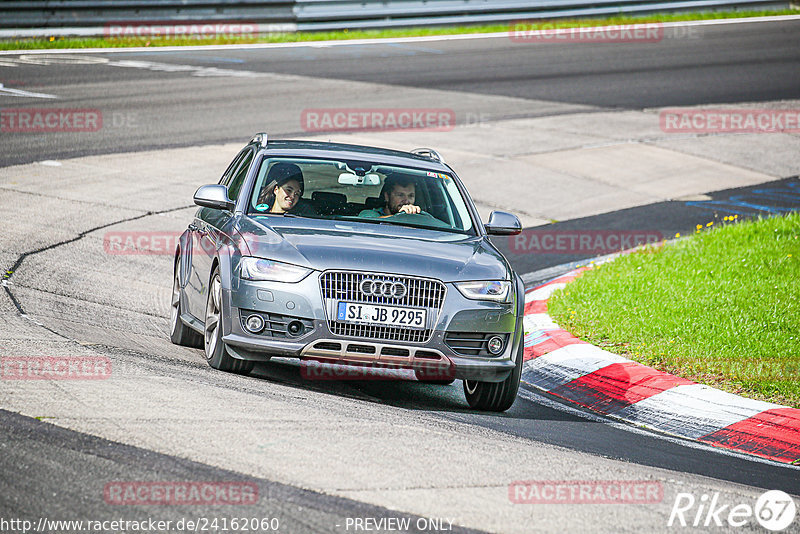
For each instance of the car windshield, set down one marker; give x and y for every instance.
(359, 191)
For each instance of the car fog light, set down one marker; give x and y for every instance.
(254, 324)
(495, 345)
(295, 328)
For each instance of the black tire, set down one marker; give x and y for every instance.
(428, 378)
(180, 334)
(495, 396)
(216, 354)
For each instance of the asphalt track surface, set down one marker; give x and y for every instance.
(698, 65)
(43, 466)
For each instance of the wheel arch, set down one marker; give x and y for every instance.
(181, 258)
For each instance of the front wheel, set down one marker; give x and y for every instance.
(216, 354)
(495, 396)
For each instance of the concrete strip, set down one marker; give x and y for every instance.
(649, 173)
(773, 154)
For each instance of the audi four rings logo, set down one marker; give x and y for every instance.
(379, 288)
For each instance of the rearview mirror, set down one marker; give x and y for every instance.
(502, 223)
(347, 178)
(214, 196)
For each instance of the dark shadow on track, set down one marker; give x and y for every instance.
(38, 457)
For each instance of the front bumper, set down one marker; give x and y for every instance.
(380, 354)
(304, 301)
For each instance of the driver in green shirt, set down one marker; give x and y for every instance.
(398, 194)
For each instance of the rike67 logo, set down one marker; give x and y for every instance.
(774, 510)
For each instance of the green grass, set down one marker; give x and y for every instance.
(114, 42)
(721, 307)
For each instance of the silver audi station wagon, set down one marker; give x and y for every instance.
(353, 255)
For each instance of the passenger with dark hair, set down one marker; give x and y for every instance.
(283, 192)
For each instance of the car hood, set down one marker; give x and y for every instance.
(325, 244)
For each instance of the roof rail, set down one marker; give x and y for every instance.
(260, 138)
(428, 153)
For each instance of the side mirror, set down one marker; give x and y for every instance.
(502, 223)
(214, 196)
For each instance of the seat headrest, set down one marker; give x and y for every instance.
(329, 198)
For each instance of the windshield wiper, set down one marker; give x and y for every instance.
(389, 222)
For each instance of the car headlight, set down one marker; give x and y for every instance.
(269, 270)
(489, 290)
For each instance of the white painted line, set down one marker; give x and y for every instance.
(568, 363)
(192, 70)
(395, 40)
(19, 92)
(693, 410)
(536, 322)
(544, 292)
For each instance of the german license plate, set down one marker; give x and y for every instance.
(376, 314)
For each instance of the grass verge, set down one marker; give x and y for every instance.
(721, 307)
(116, 42)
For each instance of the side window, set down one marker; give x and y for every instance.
(239, 176)
(226, 178)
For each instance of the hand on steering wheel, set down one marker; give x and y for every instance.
(411, 209)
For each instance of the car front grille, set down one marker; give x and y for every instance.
(338, 286)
